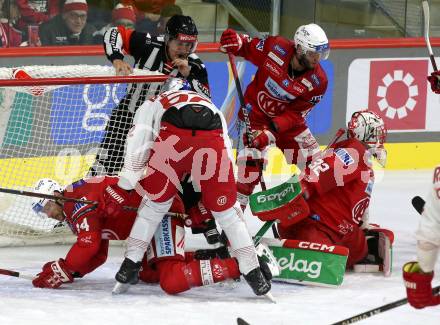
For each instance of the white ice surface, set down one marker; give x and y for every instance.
(89, 300)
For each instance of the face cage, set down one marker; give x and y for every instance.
(379, 133)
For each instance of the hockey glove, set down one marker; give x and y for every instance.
(434, 80)
(418, 286)
(261, 139)
(114, 198)
(230, 41)
(53, 275)
(198, 216)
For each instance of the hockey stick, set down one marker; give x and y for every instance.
(45, 196)
(425, 6)
(68, 199)
(249, 134)
(378, 310)
(16, 274)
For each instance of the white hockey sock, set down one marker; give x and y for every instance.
(149, 216)
(243, 249)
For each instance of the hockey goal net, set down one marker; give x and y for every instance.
(52, 122)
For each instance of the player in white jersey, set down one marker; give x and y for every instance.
(175, 134)
(418, 275)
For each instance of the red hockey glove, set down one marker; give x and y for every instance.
(434, 79)
(230, 41)
(114, 198)
(261, 139)
(418, 286)
(198, 216)
(53, 275)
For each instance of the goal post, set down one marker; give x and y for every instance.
(52, 122)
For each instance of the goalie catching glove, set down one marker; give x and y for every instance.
(418, 286)
(53, 275)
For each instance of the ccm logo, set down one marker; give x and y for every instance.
(316, 246)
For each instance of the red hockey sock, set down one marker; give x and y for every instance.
(178, 276)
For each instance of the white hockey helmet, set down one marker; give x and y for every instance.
(44, 186)
(174, 83)
(368, 127)
(312, 38)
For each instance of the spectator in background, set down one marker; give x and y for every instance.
(100, 12)
(10, 36)
(121, 16)
(165, 14)
(148, 13)
(70, 27)
(35, 12)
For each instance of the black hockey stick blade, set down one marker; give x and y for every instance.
(241, 321)
(378, 310)
(418, 203)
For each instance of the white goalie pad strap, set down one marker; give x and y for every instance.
(266, 253)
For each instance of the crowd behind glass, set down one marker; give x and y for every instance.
(78, 22)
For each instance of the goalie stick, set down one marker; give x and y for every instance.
(16, 274)
(425, 6)
(378, 310)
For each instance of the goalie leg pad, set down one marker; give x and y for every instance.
(310, 263)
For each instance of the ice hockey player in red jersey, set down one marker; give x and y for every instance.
(165, 263)
(418, 276)
(181, 133)
(289, 82)
(337, 188)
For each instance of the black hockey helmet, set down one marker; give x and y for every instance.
(183, 29)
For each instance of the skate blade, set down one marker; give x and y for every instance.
(120, 288)
(270, 297)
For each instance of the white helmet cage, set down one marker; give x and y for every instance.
(312, 38)
(367, 127)
(44, 186)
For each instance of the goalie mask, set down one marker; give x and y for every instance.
(369, 128)
(311, 42)
(44, 186)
